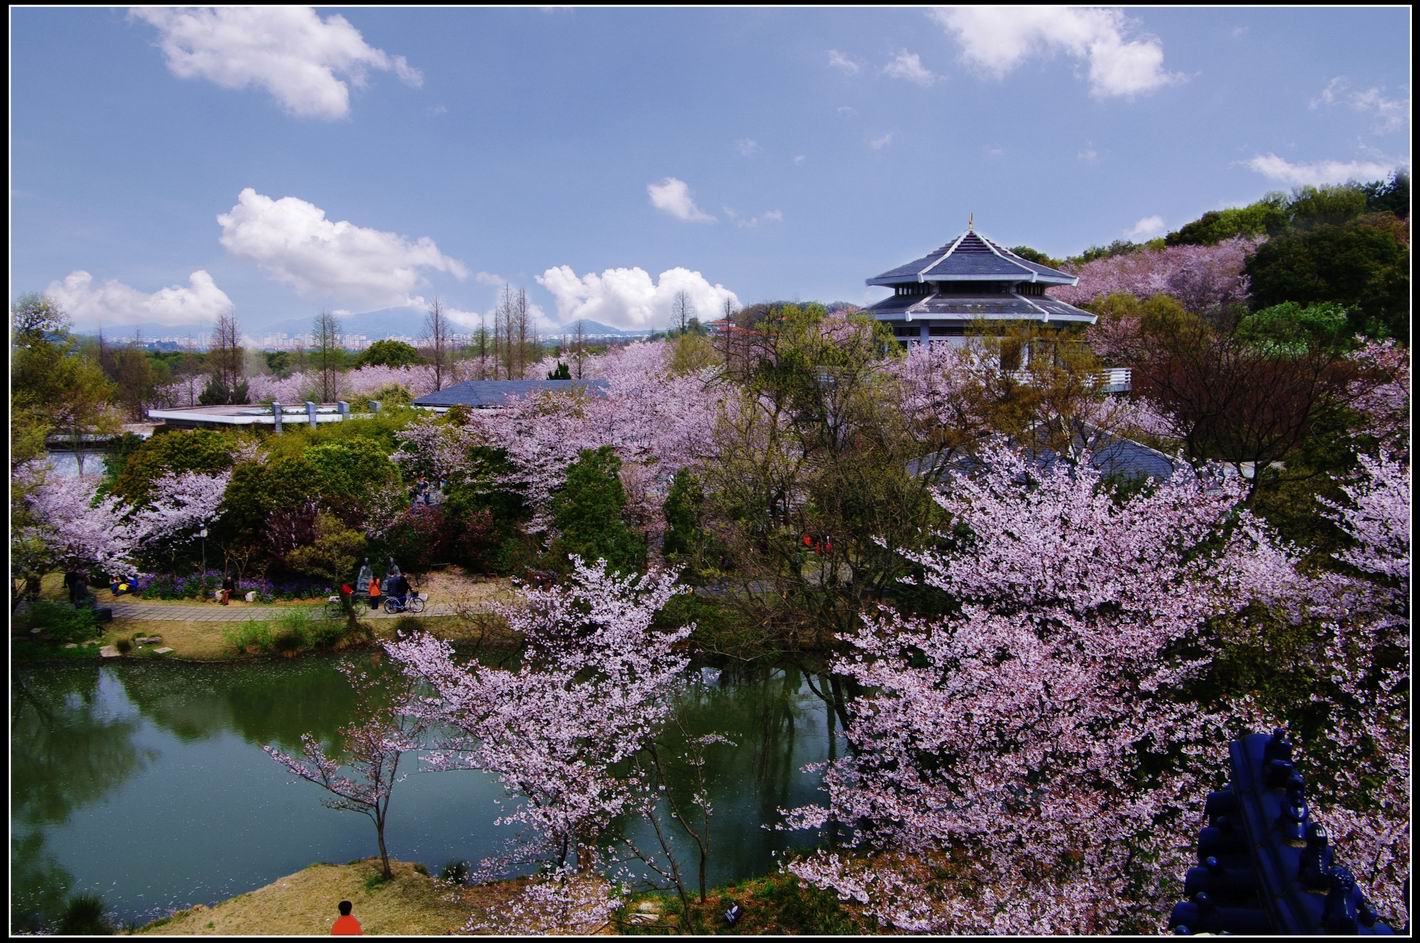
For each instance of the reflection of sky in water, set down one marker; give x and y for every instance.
(151, 789)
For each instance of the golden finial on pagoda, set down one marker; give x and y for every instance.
(969, 218)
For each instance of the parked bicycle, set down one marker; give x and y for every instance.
(411, 603)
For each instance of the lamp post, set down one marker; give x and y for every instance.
(203, 534)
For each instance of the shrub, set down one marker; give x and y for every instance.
(60, 622)
(455, 872)
(84, 915)
(250, 637)
(288, 641)
(124, 646)
(407, 624)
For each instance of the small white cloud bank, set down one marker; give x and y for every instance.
(1146, 228)
(1387, 114)
(1322, 172)
(996, 40)
(672, 197)
(293, 241)
(908, 67)
(842, 63)
(113, 304)
(308, 64)
(629, 298)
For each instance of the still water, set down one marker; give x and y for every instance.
(146, 784)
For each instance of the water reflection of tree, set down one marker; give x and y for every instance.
(262, 703)
(768, 716)
(67, 748)
(39, 887)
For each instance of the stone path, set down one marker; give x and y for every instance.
(244, 612)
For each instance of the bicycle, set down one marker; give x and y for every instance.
(335, 606)
(411, 603)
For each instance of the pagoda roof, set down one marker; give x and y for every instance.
(954, 306)
(972, 257)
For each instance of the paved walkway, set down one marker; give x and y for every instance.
(243, 612)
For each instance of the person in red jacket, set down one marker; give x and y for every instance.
(346, 925)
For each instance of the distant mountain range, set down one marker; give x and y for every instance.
(387, 322)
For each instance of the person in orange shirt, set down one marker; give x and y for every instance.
(346, 925)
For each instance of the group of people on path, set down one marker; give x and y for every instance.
(427, 492)
(395, 584)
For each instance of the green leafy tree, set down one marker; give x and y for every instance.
(389, 353)
(1266, 217)
(1363, 265)
(561, 373)
(586, 513)
(1295, 328)
(333, 555)
(205, 451)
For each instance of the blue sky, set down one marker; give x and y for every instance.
(606, 159)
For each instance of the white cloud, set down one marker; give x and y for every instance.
(800, 158)
(998, 39)
(307, 63)
(747, 146)
(1146, 228)
(673, 196)
(1238, 32)
(489, 278)
(878, 143)
(114, 303)
(1322, 172)
(842, 63)
(293, 241)
(629, 298)
(753, 222)
(847, 111)
(908, 67)
(993, 151)
(1390, 114)
(1088, 154)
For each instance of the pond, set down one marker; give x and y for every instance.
(146, 783)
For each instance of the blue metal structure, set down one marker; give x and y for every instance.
(1264, 865)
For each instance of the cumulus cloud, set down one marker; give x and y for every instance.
(307, 63)
(842, 63)
(1320, 173)
(1146, 228)
(1389, 114)
(878, 143)
(114, 303)
(998, 39)
(1088, 154)
(747, 146)
(908, 67)
(673, 196)
(292, 241)
(630, 298)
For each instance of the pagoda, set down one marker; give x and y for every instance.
(970, 279)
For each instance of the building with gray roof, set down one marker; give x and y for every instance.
(970, 278)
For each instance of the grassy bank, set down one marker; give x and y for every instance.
(412, 903)
(415, 903)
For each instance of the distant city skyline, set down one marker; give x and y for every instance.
(171, 165)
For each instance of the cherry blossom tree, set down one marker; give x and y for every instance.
(570, 732)
(78, 527)
(1027, 763)
(1204, 278)
(1363, 744)
(384, 730)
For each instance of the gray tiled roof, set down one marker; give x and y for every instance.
(998, 307)
(972, 257)
(489, 393)
(1112, 456)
